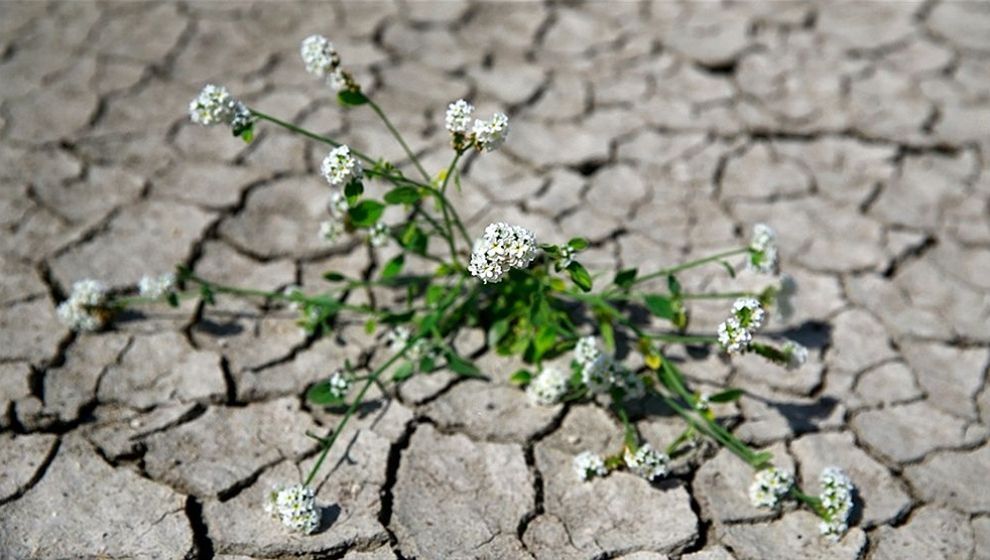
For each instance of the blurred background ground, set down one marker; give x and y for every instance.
(859, 131)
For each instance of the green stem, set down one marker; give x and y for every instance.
(248, 292)
(443, 206)
(811, 501)
(332, 437)
(682, 338)
(412, 157)
(690, 264)
(675, 445)
(719, 295)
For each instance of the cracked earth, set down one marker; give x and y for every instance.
(661, 131)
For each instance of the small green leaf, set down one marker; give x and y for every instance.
(173, 299)
(353, 189)
(366, 213)
(405, 371)
(351, 98)
(660, 306)
(725, 396)
(521, 378)
(333, 276)
(403, 195)
(413, 239)
(369, 326)
(394, 266)
(625, 278)
(580, 276)
(321, 394)
(397, 318)
(674, 286)
(498, 331)
(206, 293)
(247, 134)
(544, 340)
(462, 366)
(434, 294)
(578, 243)
(729, 269)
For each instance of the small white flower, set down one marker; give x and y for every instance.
(85, 310)
(647, 462)
(586, 350)
(458, 118)
(398, 338)
(490, 135)
(214, 105)
(155, 287)
(331, 230)
(837, 500)
(338, 204)
(379, 235)
(763, 249)
(295, 507)
(548, 387)
(796, 353)
(502, 248)
(340, 167)
(733, 337)
(588, 465)
(340, 383)
(769, 487)
(319, 55)
(293, 291)
(749, 313)
(703, 403)
(566, 256)
(338, 80)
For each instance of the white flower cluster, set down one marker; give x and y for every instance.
(704, 403)
(500, 249)
(548, 387)
(322, 61)
(295, 507)
(600, 373)
(214, 105)
(588, 465)
(763, 249)
(155, 287)
(340, 167)
(340, 383)
(837, 500)
(486, 136)
(647, 462)
(331, 230)
(736, 333)
(379, 234)
(769, 487)
(796, 354)
(85, 309)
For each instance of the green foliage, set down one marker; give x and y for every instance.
(366, 213)
(351, 98)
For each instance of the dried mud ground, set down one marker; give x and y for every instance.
(860, 131)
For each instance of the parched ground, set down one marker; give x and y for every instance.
(860, 131)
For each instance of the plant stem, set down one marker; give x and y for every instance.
(248, 292)
(690, 264)
(398, 136)
(719, 295)
(443, 206)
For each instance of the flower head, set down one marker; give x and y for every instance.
(796, 354)
(500, 249)
(397, 338)
(769, 487)
(458, 118)
(588, 465)
(491, 134)
(749, 313)
(340, 383)
(214, 105)
(295, 507)
(319, 55)
(837, 501)
(647, 462)
(379, 235)
(340, 167)
(85, 310)
(548, 387)
(330, 230)
(763, 249)
(733, 337)
(154, 287)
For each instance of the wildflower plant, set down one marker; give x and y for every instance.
(531, 296)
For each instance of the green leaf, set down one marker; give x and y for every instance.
(403, 195)
(674, 286)
(625, 278)
(206, 293)
(351, 98)
(173, 299)
(544, 340)
(725, 396)
(521, 378)
(247, 134)
(322, 395)
(394, 266)
(353, 189)
(413, 239)
(498, 331)
(660, 306)
(405, 371)
(397, 318)
(366, 213)
(578, 243)
(728, 268)
(580, 276)
(369, 326)
(462, 366)
(434, 294)
(333, 276)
